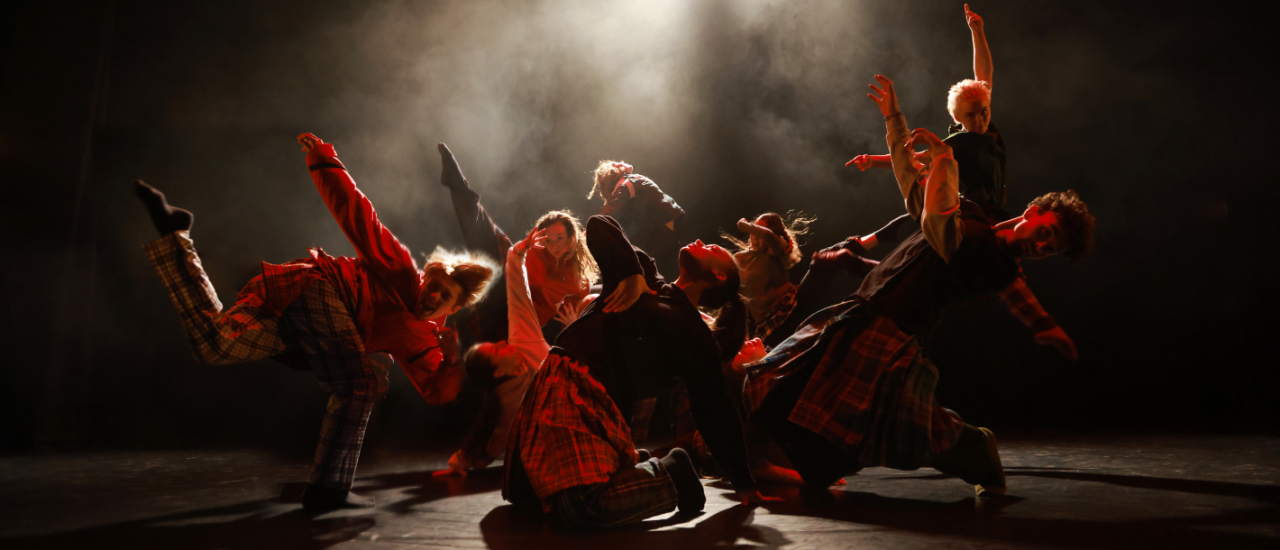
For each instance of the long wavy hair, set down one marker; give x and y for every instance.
(580, 256)
(789, 228)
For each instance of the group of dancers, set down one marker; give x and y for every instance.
(585, 328)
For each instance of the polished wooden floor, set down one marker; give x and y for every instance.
(1065, 492)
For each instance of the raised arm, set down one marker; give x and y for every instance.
(772, 240)
(374, 243)
(981, 53)
(900, 154)
(941, 218)
(523, 330)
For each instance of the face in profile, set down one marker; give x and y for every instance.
(700, 261)
(1037, 235)
(974, 113)
(439, 296)
(559, 240)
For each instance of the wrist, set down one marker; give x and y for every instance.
(893, 114)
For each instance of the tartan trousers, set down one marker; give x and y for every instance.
(631, 495)
(317, 325)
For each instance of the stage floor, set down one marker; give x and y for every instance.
(1069, 492)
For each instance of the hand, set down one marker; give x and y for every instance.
(921, 136)
(754, 498)
(861, 161)
(448, 340)
(457, 467)
(752, 351)
(623, 167)
(534, 240)
(569, 310)
(309, 141)
(884, 96)
(974, 20)
(1058, 338)
(744, 225)
(628, 291)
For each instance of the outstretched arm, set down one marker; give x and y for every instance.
(981, 53)
(523, 329)
(1019, 300)
(374, 243)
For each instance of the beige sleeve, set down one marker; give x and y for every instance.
(903, 170)
(941, 222)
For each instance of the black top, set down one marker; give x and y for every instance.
(658, 341)
(981, 159)
(913, 283)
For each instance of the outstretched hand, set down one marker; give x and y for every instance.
(884, 96)
(534, 240)
(921, 136)
(628, 291)
(1058, 338)
(974, 20)
(861, 161)
(309, 141)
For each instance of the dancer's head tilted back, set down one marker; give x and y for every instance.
(969, 102)
(712, 271)
(1054, 223)
(606, 176)
(452, 281)
(489, 364)
(565, 243)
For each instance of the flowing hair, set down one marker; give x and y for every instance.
(471, 270)
(583, 262)
(605, 173)
(794, 225)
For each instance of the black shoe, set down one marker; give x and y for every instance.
(689, 490)
(166, 218)
(316, 498)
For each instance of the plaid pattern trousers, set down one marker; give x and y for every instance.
(317, 324)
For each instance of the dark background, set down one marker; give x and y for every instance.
(1160, 115)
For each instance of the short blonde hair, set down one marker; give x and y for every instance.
(471, 270)
(965, 88)
(605, 173)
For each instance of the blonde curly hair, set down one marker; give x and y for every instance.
(471, 270)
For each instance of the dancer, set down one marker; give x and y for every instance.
(647, 214)
(328, 313)
(976, 143)
(570, 452)
(764, 261)
(553, 276)
(852, 389)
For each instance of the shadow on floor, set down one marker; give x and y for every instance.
(506, 528)
(982, 518)
(266, 524)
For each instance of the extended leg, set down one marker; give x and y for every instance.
(241, 333)
(631, 495)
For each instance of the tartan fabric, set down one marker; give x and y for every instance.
(320, 326)
(870, 393)
(774, 317)
(568, 432)
(242, 333)
(1019, 300)
(630, 496)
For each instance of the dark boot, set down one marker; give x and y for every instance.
(167, 219)
(976, 460)
(316, 498)
(688, 486)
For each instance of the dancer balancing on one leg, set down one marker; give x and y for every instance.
(852, 389)
(570, 451)
(510, 330)
(327, 313)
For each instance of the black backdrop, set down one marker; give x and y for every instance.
(1159, 114)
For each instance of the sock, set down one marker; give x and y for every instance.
(450, 173)
(690, 495)
(166, 218)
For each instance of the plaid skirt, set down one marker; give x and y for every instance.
(870, 391)
(568, 432)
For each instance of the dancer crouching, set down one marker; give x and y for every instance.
(570, 452)
(329, 314)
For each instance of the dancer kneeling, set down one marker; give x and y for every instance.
(326, 314)
(570, 452)
(852, 388)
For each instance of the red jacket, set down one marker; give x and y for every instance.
(379, 287)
